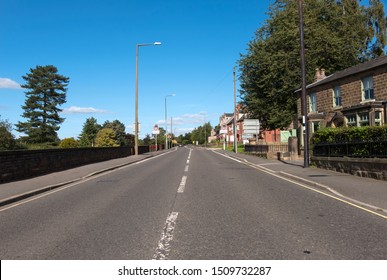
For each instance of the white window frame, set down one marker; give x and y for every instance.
(313, 102)
(364, 119)
(351, 120)
(337, 96)
(367, 89)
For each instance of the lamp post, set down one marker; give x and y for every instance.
(304, 111)
(166, 121)
(136, 102)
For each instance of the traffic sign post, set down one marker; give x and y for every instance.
(156, 131)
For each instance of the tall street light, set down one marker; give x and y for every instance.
(166, 121)
(136, 106)
(304, 111)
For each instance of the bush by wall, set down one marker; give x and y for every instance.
(350, 134)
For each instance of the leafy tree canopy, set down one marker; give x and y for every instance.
(338, 34)
(106, 137)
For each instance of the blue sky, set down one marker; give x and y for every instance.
(94, 44)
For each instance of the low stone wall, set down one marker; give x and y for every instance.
(364, 167)
(17, 165)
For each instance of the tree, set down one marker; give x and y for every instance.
(106, 137)
(338, 34)
(201, 133)
(89, 132)
(7, 140)
(69, 143)
(119, 129)
(46, 91)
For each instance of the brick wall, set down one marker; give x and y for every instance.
(17, 165)
(350, 90)
(375, 168)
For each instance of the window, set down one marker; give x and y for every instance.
(378, 118)
(367, 88)
(315, 126)
(364, 119)
(336, 96)
(312, 102)
(351, 120)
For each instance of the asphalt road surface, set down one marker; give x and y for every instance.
(189, 203)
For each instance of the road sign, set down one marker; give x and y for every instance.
(251, 126)
(156, 130)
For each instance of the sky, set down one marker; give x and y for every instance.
(93, 42)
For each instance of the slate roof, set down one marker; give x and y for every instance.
(362, 67)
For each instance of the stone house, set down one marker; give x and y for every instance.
(356, 96)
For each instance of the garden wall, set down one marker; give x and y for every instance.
(17, 165)
(364, 167)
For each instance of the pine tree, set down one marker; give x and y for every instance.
(89, 132)
(46, 91)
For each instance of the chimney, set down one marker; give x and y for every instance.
(320, 74)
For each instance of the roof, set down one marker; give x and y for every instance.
(362, 67)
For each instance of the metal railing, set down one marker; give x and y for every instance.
(266, 148)
(361, 149)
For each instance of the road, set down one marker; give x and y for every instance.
(189, 203)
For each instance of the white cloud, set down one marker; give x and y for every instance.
(186, 119)
(83, 110)
(8, 83)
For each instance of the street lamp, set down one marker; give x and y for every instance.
(304, 111)
(166, 121)
(136, 102)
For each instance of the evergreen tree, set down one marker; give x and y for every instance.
(106, 137)
(46, 91)
(119, 129)
(89, 132)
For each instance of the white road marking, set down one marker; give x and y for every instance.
(186, 168)
(164, 245)
(187, 161)
(182, 184)
(345, 200)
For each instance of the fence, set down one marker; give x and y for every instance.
(360, 149)
(267, 148)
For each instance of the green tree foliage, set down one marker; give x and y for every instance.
(46, 91)
(338, 34)
(201, 133)
(89, 132)
(7, 140)
(106, 137)
(69, 143)
(119, 129)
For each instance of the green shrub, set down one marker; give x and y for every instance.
(69, 143)
(350, 134)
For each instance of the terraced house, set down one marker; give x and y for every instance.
(356, 96)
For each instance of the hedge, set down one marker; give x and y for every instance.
(350, 134)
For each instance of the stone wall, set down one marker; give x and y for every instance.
(17, 165)
(364, 167)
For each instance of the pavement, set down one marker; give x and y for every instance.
(369, 193)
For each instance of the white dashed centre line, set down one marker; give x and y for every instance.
(182, 184)
(164, 246)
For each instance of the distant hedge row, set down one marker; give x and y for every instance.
(350, 134)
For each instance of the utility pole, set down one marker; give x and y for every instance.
(304, 111)
(235, 114)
